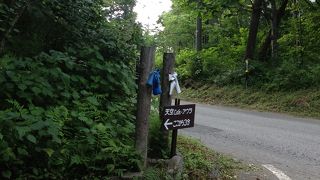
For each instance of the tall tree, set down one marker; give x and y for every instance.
(199, 29)
(272, 35)
(254, 25)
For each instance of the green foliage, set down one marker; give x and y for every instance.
(159, 59)
(157, 173)
(60, 142)
(290, 76)
(55, 78)
(185, 62)
(157, 147)
(59, 24)
(294, 64)
(178, 33)
(67, 89)
(220, 61)
(207, 65)
(63, 130)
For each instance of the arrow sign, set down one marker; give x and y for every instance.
(167, 123)
(178, 117)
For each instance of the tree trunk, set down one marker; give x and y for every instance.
(144, 102)
(199, 33)
(274, 29)
(267, 42)
(255, 18)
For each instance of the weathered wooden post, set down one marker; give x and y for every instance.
(174, 135)
(165, 99)
(144, 101)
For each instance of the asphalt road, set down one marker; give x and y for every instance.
(290, 144)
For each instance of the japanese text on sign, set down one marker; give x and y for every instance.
(171, 112)
(178, 117)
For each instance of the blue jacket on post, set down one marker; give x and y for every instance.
(154, 81)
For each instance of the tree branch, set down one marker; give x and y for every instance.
(310, 4)
(12, 25)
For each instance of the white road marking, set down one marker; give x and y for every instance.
(280, 175)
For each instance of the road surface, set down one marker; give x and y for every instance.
(288, 144)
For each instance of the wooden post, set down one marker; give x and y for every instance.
(174, 135)
(144, 102)
(165, 99)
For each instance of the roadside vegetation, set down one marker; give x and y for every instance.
(67, 89)
(201, 162)
(270, 46)
(305, 103)
(289, 61)
(67, 78)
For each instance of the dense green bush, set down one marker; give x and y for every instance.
(208, 66)
(63, 117)
(290, 76)
(184, 61)
(67, 88)
(60, 142)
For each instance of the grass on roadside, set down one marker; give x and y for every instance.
(156, 173)
(200, 162)
(304, 103)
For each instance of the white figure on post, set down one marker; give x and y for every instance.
(173, 78)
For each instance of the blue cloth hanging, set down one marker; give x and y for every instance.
(154, 81)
